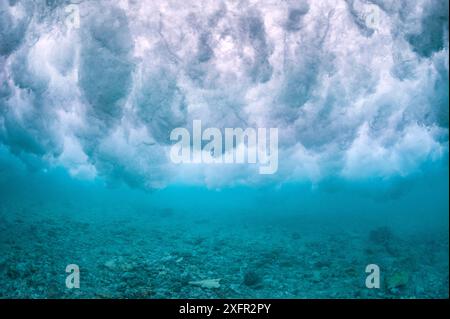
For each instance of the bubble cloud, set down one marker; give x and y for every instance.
(356, 88)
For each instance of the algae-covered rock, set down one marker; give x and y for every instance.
(381, 235)
(397, 280)
(251, 278)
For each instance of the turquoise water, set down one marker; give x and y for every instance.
(294, 241)
(355, 94)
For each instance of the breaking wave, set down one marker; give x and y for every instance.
(358, 89)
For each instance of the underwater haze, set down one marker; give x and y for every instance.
(92, 204)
